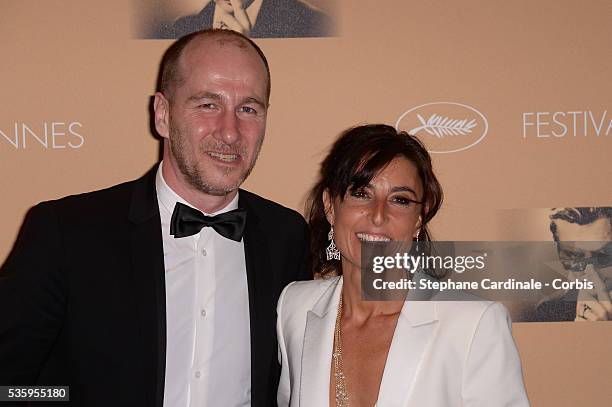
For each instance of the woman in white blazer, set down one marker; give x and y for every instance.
(336, 349)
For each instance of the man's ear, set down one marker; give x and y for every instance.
(161, 107)
(328, 206)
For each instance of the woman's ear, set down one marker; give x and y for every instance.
(417, 227)
(419, 223)
(328, 206)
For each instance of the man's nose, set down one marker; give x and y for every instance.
(228, 131)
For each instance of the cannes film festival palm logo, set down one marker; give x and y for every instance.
(445, 127)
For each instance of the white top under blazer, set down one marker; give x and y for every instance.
(443, 353)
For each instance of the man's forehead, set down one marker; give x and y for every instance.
(599, 230)
(231, 57)
(208, 48)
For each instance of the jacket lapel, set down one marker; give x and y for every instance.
(261, 303)
(415, 328)
(149, 285)
(318, 347)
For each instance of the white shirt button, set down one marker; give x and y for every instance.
(203, 251)
(203, 312)
(198, 374)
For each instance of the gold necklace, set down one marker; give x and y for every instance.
(342, 398)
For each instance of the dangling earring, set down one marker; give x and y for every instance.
(332, 251)
(418, 239)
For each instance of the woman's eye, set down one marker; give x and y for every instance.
(402, 200)
(359, 193)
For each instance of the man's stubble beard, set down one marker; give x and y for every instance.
(188, 164)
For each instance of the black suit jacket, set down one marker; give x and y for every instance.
(82, 295)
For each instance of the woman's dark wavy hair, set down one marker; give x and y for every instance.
(358, 155)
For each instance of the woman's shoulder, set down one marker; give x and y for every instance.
(315, 284)
(304, 294)
(309, 289)
(469, 310)
(456, 304)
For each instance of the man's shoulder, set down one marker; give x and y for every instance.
(268, 209)
(95, 203)
(102, 197)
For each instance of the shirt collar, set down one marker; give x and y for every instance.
(168, 198)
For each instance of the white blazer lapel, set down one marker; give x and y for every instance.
(318, 348)
(415, 328)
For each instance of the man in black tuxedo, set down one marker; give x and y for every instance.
(162, 291)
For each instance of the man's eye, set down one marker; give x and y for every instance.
(208, 106)
(247, 109)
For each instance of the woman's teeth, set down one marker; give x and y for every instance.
(364, 237)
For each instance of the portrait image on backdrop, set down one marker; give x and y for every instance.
(166, 19)
(583, 240)
(569, 248)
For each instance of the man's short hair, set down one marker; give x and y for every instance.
(579, 216)
(170, 78)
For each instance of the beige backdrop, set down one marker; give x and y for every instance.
(71, 70)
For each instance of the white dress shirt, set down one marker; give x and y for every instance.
(208, 352)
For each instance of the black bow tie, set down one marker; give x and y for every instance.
(187, 221)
